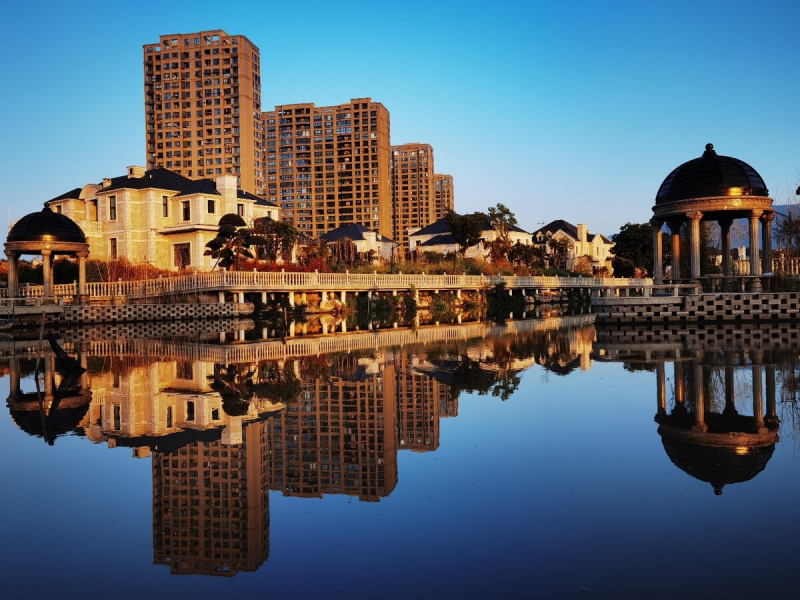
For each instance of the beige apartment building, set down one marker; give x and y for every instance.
(203, 107)
(157, 217)
(412, 189)
(443, 201)
(329, 166)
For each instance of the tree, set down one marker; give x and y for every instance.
(634, 242)
(559, 248)
(232, 243)
(525, 255)
(315, 255)
(503, 220)
(279, 238)
(466, 229)
(582, 265)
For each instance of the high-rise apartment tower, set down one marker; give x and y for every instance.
(203, 107)
(443, 195)
(329, 166)
(412, 189)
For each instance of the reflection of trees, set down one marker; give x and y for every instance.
(239, 384)
(788, 379)
(233, 383)
(468, 376)
(277, 383)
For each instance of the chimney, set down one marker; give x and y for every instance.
(135, 172)
(582, 231)
(226, 185)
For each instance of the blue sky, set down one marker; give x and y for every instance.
(573, 109)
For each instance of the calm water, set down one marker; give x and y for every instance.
(542, 459)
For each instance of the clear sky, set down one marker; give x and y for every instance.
(572, 110)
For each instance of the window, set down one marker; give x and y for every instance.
(187, 213)
(169, 416)
(190, 411)
(165, 206)
(112, 208)
(58, 209)
(211, 207)
(182, 254)
(240, 210)
(113, 251)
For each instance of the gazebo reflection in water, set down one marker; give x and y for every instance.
(703, 431)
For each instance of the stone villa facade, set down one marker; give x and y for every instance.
(157, 217)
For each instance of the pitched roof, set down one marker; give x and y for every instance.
(441, 239)
(442, 226)
(70, 195)
(353, 232)
(561, 225)
(558, 224)
(165, 179)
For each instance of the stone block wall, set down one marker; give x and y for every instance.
(717, 307)
(133, 313)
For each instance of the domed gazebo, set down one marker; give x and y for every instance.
(47, 234)
(713, 188)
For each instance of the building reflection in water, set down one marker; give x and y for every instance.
(221, 435)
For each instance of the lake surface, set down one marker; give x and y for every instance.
(534, 459)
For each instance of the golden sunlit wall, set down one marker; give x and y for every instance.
(329, 166)
(203, 107)
(412, 189)
(444, 200)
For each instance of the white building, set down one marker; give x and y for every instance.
(157, 217)
(579, 242)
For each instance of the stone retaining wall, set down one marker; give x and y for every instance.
(718, 307)
(132, 313)
(675, 340)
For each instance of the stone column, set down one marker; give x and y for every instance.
(699, 400)
(754, 262)
(772, 413)
(678, 375)
(82, 276)
(658, 259)
(766, 246)
(14, 376)
(661, 388)
(694, 243)
(47, 257)
(758, 402)
(13, 273)
(675, 230)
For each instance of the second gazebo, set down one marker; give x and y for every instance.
(714, 188)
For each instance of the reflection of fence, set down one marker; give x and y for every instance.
(309, 346)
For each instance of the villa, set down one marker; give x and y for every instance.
(157, 217)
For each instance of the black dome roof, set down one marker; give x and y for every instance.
(35, 226)
(718, 465)
(711, 175)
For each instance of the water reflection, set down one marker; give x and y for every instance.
(717, 410)
(223, 424)
(221, 433)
